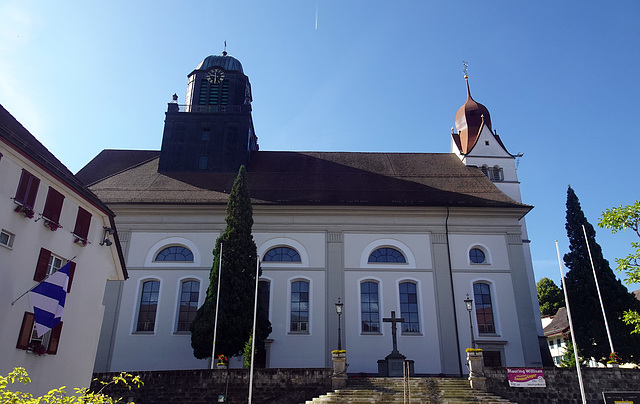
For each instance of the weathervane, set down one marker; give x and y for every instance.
(465, 68)
(224, 52)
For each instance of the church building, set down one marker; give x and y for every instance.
(413, 233)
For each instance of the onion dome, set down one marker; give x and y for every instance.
(224, 61)
(469, 121)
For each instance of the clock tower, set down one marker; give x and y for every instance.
(213, 131)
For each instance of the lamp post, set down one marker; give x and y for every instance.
(339, 305)
(469, 303)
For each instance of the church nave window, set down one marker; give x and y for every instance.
(189, 294)
(148, 306)
(175, 253)
(484, 308)
(282, 254)
(409, 307)
(370, 308)
(388, 255)
(300, 307)
(477, 256)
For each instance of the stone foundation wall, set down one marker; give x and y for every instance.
(277, 386)
(562, 385)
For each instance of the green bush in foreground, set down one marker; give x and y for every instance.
(59, 395)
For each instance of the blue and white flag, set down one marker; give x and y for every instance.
(48, 299)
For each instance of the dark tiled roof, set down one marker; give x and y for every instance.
(559, 324)
(302, 178)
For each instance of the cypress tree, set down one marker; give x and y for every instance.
(237, 291)
(588, 323)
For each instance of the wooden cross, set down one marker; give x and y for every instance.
(394, 320)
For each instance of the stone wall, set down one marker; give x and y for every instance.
(562, 385)
(276, 386)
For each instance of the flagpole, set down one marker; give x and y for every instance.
(215, 321)
(34, 286)
(253, 336)
(573, 336)
(604, 315)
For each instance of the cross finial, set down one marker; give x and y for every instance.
(224, 52)
(465, 68)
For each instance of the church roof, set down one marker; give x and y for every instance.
(301, 178)
(224, 61)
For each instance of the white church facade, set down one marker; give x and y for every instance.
(413, 233)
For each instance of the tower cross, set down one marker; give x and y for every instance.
(394, 320)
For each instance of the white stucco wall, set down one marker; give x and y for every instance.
(83, 309)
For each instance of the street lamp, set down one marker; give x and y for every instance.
(339, 305)
(469, 303)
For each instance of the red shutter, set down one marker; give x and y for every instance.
(53, 205)
(54, 339)
(27, 189)
(83, 221)
(72, 270)
(43, 263)
(25, 331)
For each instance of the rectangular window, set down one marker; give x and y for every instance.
(491, 358)
(300, 306)
(27, 189)
(83, 221)
(550, 343)
(6, 238)
(370, 309)
(53, 205)
(206, 134)
(148, 306)
(48, 263)
(190, 291)
(264, 294)
(484, 308)
(29, 341)
(203, 163)
(409, 307)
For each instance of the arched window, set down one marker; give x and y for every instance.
(282, 254)
(370, 307)
(299, 306)
(484, 308)
(148, 306)
(175, 253)
(387, 254)
(477, 256)
(189, 294)
(409, 307)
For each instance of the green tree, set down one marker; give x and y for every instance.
(550, 297)
(59, 395)
(569, 357)
(237, 291)
(622, 218)
(589, 327)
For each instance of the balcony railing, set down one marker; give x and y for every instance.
(208, 109)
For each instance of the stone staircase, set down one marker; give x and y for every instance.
(422, 390)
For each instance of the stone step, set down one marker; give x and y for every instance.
(422, 390)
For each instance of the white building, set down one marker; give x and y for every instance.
(413, 233)
(48, 217)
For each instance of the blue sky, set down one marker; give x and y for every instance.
(559, 78)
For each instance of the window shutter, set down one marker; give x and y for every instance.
(43, 263)
(27, 189)
(83, 221)
(72, 271)
(54, 339)
(25, 331)
(53, 205)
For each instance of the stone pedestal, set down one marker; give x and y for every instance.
(476, 375)
(339, 376)
(392, 366)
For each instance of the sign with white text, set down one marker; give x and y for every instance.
(526, 377)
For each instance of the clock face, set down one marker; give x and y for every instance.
(215, 76)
